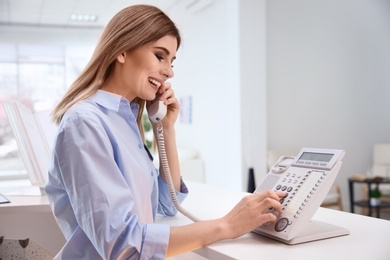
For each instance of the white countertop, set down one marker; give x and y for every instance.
(368, 239)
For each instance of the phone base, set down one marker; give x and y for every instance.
(314, 230)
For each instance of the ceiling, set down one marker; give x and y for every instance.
(57, 13)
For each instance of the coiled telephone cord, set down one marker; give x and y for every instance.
(167, 172)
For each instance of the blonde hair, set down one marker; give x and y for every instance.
(129, 29)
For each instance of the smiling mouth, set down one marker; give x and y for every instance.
(155, 82)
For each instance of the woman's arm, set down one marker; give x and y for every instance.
(166, 94)
(246, 216)
(250, 213)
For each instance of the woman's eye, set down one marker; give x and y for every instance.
(159, 56)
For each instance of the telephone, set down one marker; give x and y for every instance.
(306, 179)
(157, 111)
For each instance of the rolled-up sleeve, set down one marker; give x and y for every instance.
(165, 205)
(154, 244)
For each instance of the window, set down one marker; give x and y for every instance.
(37, 76)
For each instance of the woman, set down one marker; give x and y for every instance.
(102, 185)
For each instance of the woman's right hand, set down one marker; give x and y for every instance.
(251, 212)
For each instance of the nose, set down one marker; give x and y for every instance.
(167, 72)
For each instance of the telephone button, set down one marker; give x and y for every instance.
(284, 188)
(281, 224)
(278, 187)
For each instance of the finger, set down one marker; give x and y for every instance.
(164, 87)
(281, 194)
(264, 201)
(167, 95)
(171, 100)
(269, 217)
(270, 194)
(277, 206)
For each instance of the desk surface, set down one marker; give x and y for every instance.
(25, 200)
(368, 238)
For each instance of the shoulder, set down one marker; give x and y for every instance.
(84, 111)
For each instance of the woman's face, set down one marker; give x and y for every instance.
(144, 70)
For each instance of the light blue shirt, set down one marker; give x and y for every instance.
(103, 187)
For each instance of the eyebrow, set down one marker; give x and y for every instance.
(166, 51)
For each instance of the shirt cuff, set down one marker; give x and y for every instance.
(165, 200)
(155, 242)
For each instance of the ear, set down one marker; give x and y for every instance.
(121, 57)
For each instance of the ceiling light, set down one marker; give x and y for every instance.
(83, 17)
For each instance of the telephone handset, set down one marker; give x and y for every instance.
(156, 112)
(306, 179)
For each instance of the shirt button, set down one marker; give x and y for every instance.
(127, 217)
(140, 146)
(151, 173)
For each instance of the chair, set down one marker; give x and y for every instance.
(381, 167)
(381, 162)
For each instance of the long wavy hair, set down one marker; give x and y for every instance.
(131, 28)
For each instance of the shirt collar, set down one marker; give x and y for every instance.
(112, 101)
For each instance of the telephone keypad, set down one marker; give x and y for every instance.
(305, 184)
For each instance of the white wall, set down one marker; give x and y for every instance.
(253, 88)
(328, 78)
(222, 66)
(207, 68)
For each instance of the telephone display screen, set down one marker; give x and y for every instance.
(318, 157)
